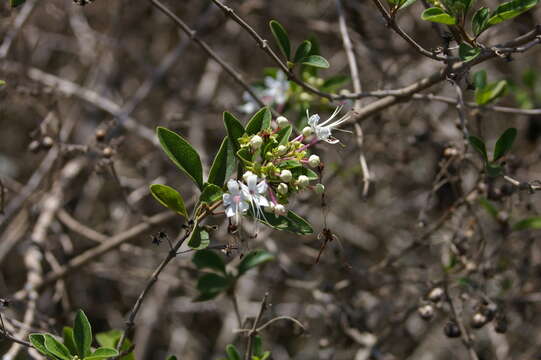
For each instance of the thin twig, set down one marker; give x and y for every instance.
(253, 331)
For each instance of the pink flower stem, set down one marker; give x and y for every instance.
(271, 194)
(308, 145)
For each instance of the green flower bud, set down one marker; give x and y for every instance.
(282, 121)
(319, 189)
(282, 188)
(307, 131)
(281, 150)
(304, 96)
(286, 176)
(303, 181)
(314, 161)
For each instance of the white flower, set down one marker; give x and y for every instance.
(235, 201)
(286, 175)
(276, 88)
(255, 191)
(323, 130)
(246, 175)
(250, 104)
(314, 161)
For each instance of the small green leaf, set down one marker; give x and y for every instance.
(235, 130)
(82, 333)
(69, 340)
(172, 357)
(468, 53)
(283, 135)
(316, 61)
(258, 346)
(290, 222)
(199, 238)
(169, 197)
(102, 353)
(510, 10)
(15, 3)
(405, 3)
(533, 223)
(302, 51)
(2, 82)
(232, 352)
(435, 14)
(490, 92)
(504, 143)
(260, 121)
(529, 78)
(56, 348)
(110, 339)
(208, 259)
(253, 259)
(491, 209)
(224, 164)
(301, 170)
(211, 284)
(38, 341)
(182, 154)
(334, 83)
(480, 79)
(479, 21)
(479, 146)
(280, 35)
(211, 193)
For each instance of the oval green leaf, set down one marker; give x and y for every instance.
(234, 128)
(533, 223)
(169, 197)
(468, 53)
(282, 40)
(56, 348)
(437, 15)
(479, 146)
(38, 341)
(253, 259)
(504, 143)
(490, 92)
(82, 333)
(212, 283)
(102, 353)
(208, 259)
(211, 193)
(260, 121)
(182, 154)
(199, 238)
(510, 10)
(302, 51)
(224, 164)
(290, 222)
(316, 61)
(232, 352)
(479, 21)
(69, 340)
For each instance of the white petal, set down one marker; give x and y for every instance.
(233, 187)
(260, 200)
(323, 133)
(230, 211)
(252, 183)
(262, 187)
(313, 120)
(227, 199)
(243, 207)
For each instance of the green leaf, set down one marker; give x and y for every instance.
(172, 357)
(182, 154)
(283, 135)
(335, 82)
(533, 223)
(490, 92)
(280, 35)
(316, 61)
(504, 143)
(38, 341)
(2, 82)
(199, 238)
(211, 193)
(479, 21)
(468, 53)
(480, 79)
(56, 348)
(510, 10)
(479, 146)
(302, 51)
(15, 3)
(253, 259)
(102, 353)
(169, 197)
(435, 14)
(235, 130)
(232, 352)
(406, 3)
(223, 165)
(69, 340)
(212, 283)
(82, 333)
(301, 170)
(258, 346)
(110, 339)
(208, 259)
(529, 78)
(260, 121)
(290, 222)
(491, 209)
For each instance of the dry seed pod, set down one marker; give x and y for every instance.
(107, 152)
(435, 295)
(34, 146)
(478, 320)
(426, 312)
(47, 142)
(452, 330)
(100, 134)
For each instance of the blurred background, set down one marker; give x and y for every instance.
(85, 89)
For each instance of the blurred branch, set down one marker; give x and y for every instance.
(14, 29)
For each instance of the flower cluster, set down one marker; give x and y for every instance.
(274, 91)
(276, 167)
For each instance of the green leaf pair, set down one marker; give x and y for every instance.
(303, 53)
(212, 284)
(503, 145)
(77, 342)
(233, 353)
